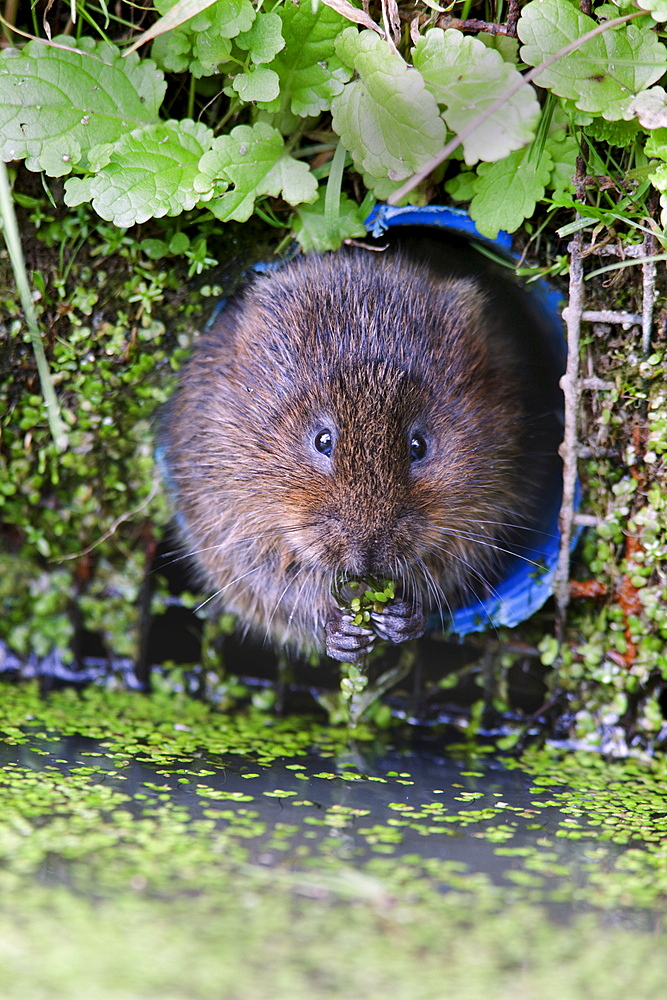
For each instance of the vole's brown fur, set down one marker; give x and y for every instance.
(381, 354)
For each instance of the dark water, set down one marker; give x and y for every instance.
(460, 820)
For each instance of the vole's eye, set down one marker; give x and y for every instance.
(323, 441)
(417, 447)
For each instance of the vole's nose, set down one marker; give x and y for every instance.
(367, 555)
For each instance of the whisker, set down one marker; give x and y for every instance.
(231, 583)
(290, 617)
(230, 545)
(477, 574)
(479, 539)
(289, 583)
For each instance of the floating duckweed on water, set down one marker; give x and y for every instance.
(182, 807)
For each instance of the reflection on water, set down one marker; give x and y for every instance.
(452, 822)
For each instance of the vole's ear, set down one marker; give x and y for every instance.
(222, 330)
(464, 303)
(461, 316)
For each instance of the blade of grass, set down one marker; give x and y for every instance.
(13, 242)
(332, 196)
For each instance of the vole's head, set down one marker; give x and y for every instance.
(380, 425)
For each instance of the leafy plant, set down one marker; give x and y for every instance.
(79, 108)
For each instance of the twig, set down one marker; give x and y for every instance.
(513, 17)
(648, 289)
(571, 391)
(472, 25)
(114, 525)
(392, 24)
(625, 319)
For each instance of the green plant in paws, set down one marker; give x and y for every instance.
(361, 600)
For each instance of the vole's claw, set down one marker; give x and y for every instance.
(346, 641)
(399, 621)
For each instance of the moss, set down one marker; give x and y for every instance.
(615, 662)
(116, 325)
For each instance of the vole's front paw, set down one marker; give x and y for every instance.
(345, 641)
(399, 621)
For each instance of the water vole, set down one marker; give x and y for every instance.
(350, 415)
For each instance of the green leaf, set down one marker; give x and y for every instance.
(563, 150)
(209, 51)
(658, 179)
(225, 17)
(656, 144)
(386, 118)
(605, 73)
(650, 108)
(201, 54)
(506, 192)
(617, 133)
(382, 188)
(466, 77)
(148, 173)
(310, 225)
(656, 8)
(172, 51)
(264, 40)
(261, 84)
(203, 43)
(177, 12)
(310, 72)
(254, 160)
(57, 103)
(462, 186)
(230, 17)
(506, 46)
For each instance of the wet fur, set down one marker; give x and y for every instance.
(375, 349)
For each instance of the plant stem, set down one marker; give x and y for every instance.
(13, 241)
(332, 196)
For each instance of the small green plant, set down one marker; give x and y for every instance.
(359, 692)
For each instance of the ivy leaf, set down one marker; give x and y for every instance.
(520, 180)
(148, 173)
(386, 118)
(619, 133)
(656, 144)
(224, 17)
(264, 40)
(466, 77)
(563, 149)
(203, 42)
(650, 108)
(658, 179)
(310, 72)
(462, 186)
(57, 103)
(172, 51)
(656, 8)
(310, 225)
(383, 188)
(254, 160)
(176, 12)
(605, 73)
(261, 84)
(208, 51)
